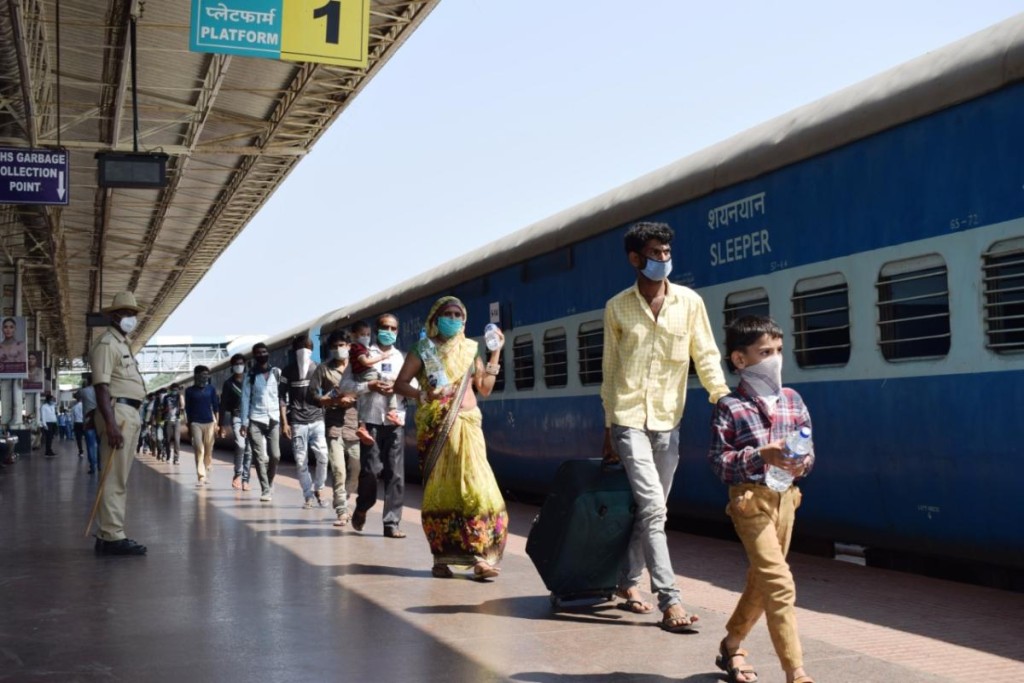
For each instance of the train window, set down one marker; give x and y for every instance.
(913, 308)
(558, 261)
(821, 321)
(591, 343)
(747, 302)
(737, 305)
(1004, 295)
(522, 359)
(556, 361)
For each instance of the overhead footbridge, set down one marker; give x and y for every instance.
(232, 126)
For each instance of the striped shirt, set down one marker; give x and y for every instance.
(742, 423)
(646, 359)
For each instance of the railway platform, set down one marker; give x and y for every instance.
(236, 590)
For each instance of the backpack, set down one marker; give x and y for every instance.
(253, 373)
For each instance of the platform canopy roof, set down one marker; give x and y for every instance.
(234, 127)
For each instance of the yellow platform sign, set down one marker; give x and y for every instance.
(327, 31)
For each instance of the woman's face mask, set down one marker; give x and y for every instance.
(303, 355)
(387, 337)
(449, 327)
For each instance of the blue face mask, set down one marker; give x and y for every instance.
(449, 327)
(386, 337)
(657, 270)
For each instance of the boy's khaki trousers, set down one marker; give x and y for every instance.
(764, 523)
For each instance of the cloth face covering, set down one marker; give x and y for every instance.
(765, 378)
(303, 358)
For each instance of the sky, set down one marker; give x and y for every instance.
(496, 115)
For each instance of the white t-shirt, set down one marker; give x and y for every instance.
(373, 406)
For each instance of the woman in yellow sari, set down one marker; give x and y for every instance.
(464, 515)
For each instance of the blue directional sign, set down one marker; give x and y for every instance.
(34, 176)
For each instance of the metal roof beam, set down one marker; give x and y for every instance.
(212, 82)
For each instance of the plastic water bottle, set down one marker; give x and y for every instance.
(436, 375)
(491, 338)
(798, 444)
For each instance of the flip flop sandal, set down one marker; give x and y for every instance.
(636, 606)
(686, 623)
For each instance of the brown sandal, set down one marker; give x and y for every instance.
(733, 673)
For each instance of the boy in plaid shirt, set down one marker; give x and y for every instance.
(748, 432)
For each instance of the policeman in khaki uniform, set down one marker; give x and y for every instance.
(120, 392)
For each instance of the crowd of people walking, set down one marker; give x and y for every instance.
(347, 416)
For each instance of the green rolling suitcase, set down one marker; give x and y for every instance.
(580, 538)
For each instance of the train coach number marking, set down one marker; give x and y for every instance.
(928, 510)
(970, 221)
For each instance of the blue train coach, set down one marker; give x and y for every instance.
(882, 226)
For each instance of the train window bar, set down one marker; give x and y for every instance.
(591, 344)
(1003, 279)
(522, 360)
(821, 321)
(738, 304)
(913, 309)
(556, 361)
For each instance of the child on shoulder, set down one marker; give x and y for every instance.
(749, 428)
(363, 362)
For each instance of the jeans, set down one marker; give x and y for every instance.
(92, 449)
(265, 441)
(306, 437)
(343, 457)
(172, 437)
(650, 459)
(764, 524)
(243, 453)
(384, 458)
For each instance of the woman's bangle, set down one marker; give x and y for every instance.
(493, 369)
